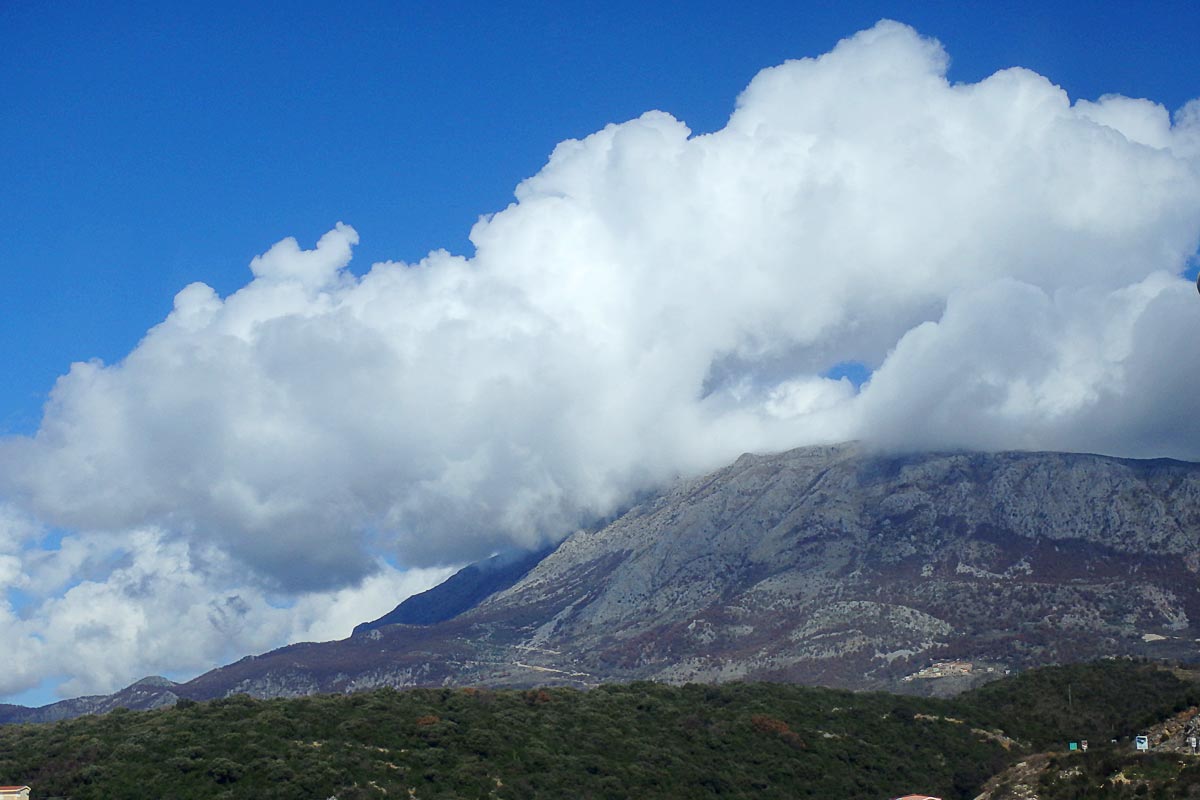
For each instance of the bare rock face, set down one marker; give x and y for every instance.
(836, 566)
(828, 565)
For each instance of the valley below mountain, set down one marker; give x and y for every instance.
(834, 566)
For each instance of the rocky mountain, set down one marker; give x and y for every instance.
(151, 692)
(461, 592)
(825, 565)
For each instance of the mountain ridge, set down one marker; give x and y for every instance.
(830, 565)
(461, 592)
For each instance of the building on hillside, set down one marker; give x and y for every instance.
(948, 669)
(14, 793)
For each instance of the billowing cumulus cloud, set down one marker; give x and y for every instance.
(1004, 262)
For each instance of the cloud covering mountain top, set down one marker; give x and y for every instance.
(1006, 264)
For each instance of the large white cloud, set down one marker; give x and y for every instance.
(654, 303)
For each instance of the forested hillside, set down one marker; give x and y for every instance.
(637, 740)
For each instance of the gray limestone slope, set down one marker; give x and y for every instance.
(831, 565)
(839, 566)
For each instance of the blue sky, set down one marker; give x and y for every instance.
(874, 246)
(149, 145)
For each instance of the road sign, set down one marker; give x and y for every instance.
(1141, 742)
